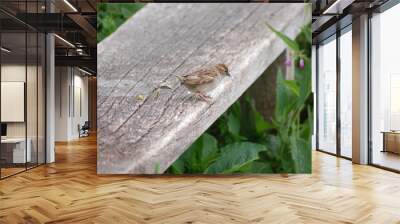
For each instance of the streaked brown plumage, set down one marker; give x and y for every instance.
(204, 80)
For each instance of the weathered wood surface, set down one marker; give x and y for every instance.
(141, 132)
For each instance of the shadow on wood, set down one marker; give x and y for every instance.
(142, 130)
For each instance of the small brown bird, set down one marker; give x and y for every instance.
(204, 80)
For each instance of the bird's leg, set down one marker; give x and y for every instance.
(203, 96)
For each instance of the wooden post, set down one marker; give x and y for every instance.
(142, 130)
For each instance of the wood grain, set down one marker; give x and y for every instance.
(140, 131)
(70, 191)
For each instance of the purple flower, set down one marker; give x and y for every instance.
(288, 62)
(301, 63)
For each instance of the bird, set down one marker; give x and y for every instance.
(204, 80)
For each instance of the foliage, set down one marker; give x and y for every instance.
(242, 141)
(111, 16)
(239, 145)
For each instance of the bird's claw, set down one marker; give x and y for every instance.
(203, 97)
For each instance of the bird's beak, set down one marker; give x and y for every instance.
(228, 74)
(179, 78)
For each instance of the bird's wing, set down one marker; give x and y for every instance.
(199, 77)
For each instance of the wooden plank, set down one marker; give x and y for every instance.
(141, 132)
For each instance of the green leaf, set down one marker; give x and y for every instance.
(253, 124)
(306, 32)
(289, 42)
(248, 126)
(261, 124)
(301, 154)
(200, 154)
(304, 41)
(257, 166)
(178, 167)
(236, 108)
(233, 124)
(292, 85)
(281, 94)
(208, 150)
(273, 145)
(235, 156)
(303, 77)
